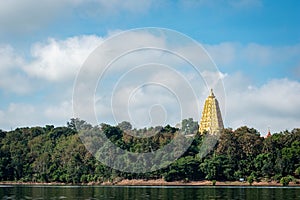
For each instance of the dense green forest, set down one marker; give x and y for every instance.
(57, 154)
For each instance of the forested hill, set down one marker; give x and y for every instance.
(56, 154)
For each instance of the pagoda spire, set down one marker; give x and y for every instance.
(269, 133)
(212, 93)
(211, 120)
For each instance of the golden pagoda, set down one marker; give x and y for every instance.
(211, 120)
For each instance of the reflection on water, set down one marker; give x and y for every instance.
(139, 192)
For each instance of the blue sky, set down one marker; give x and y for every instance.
(255, 44)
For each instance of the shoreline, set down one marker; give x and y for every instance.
(158, 182)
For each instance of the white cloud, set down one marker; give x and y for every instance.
(61, 60)
(157, 87)
(54, 61)
(59, 112)
(48, 77)
(33, 114)
(8, 58)
(273, 104)
(224, 53)
(12, 79)
(237, 55)
(18, 115)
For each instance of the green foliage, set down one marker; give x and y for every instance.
(250, 179)
(188, 126)
(297, 172)
(214, 182)
(217, 167)
(277, 177)
(56, 154)
(125, 126)
(285, 181)
(185, 168)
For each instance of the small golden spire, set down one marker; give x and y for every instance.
(211, 93)
(269, 133)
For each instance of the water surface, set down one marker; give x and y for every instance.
(147, 192)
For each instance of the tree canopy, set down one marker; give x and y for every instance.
(57, 154)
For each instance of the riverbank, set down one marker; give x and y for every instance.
(157, 182)
(161, 182)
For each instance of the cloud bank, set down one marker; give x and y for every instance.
(51, 70)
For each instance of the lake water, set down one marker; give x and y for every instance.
(146, 192)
